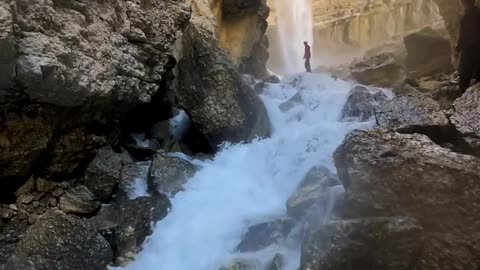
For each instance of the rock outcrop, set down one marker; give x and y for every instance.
(362, 103)
(220, 103)
(391, 174)
(380, 70)
(371, 243)
(61, 242)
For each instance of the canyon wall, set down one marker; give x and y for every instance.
(348, 26)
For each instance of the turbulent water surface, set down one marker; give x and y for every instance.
(249, 183)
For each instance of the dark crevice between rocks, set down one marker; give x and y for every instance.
(444, 136)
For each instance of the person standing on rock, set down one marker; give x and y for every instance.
(307, 56)
(468, 46)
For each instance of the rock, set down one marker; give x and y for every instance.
(168, 174)
(219, 102)
(277, 263)
(249, 79)
(234, 7)
(43, 185)
(362, 103)
(13, 207)
(127, 223)
(26, 188)
(60, 242)
(79, 200)
(412, 113)
(25, 199)
(312, 190)
(58, 192)
(52, 202)
(387, 173)
(32, 219)
(260, 87)
(272, 79)
(370, 243)
(242, 264)
(405, 89)
(6, 214)
(297, 99)
(7, 47)
(265, 234)
(22, 214)
(428, 52)
(381, 70)
(103, 173)
(466, 112)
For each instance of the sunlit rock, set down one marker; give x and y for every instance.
(371, 243)
(381, 70)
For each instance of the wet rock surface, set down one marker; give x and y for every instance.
(168, 174)
(265, 234)
(126, 224)
(370, 243)
(362, 103)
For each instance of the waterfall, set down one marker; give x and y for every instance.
(246, 184)
(294, 26)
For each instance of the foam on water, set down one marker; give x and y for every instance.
(249, 183)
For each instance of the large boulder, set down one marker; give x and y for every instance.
(380, 70)
(220, 103)
(428, 52)
(126, 224)
(61, 242)
(465, 118)
(373, 243)
(104, 172)
(387, 173)
(168, 174)
(362, 103)
(7, 47)
(412, 113)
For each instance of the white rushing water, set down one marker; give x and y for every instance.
(249, 183)
(294, 26)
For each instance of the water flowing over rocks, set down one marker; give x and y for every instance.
(168, 174)
(389, 174)
(265, 234)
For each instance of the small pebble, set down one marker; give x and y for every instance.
(13, 207)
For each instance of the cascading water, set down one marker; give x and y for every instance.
(246, 184)
(294, 26)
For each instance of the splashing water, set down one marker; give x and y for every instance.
(295, 25)
(249, 183)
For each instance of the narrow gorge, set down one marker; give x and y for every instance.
(185, 135)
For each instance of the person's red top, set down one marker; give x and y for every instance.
(308, 54)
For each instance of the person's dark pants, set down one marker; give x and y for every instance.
(307, 65)
(469, 67)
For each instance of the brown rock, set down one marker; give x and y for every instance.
(381, 70)
(26, 188)
(168, 174)
(45, 185)
(25, 199)
(79, 200)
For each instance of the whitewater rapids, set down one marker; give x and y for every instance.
(246, 184)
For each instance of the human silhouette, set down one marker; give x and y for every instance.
(468, 46)
(307, 56)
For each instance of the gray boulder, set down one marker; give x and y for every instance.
(104, 172)
(387, 173)
(412, 112)
(60, 242)
(465, 118)
(168, 174)
(220, 103)
(127, 223)
(362, 103)
(380, 70)
(371, 243)
(7, 47)
(79, 200)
